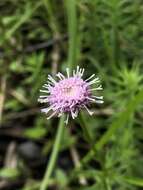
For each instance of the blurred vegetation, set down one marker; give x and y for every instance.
(41, 37)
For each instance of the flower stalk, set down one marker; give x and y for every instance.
(54, 154)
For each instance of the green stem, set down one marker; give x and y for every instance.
(72, 32)
(54, 154)
(51, 16)
(86, 132)
(106, 183)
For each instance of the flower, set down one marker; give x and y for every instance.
(69, 94)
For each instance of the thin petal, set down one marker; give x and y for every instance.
(67, 119)
(54, 113)
(90, 112)
(90, 77)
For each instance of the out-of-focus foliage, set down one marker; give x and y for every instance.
(34, 41)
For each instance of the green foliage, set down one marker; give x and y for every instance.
(10, 173)
(61, 178)
(134, 181)
(35, 133)
(104, 36)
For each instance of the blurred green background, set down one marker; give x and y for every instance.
(41, 37)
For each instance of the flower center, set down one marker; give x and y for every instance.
(69, 91)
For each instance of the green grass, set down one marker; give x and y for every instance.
(104, 37)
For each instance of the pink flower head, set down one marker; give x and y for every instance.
(69, 94)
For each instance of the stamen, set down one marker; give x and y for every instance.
(54, 113)
(82, 72)
(74, 73)
(90, 112)
(99, 101)
(46, 100)
(98, 97)
(76, 113)
(43, 100)
(77, 70)
(51, 79)
(67, 119)
(60, 75)
(60, 114)
(91, 99)
(47, 86)
(98, 88)
(96, 80)
(73, 114)
(49, 82)
(68, 73)
(90, 77)
(72, 104)
(43, 96)
(46, 110)
(46, 91)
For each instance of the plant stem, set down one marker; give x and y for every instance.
(86, 132)
(54, 154)
(72, 31)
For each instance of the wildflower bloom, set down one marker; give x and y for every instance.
(69, 94)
